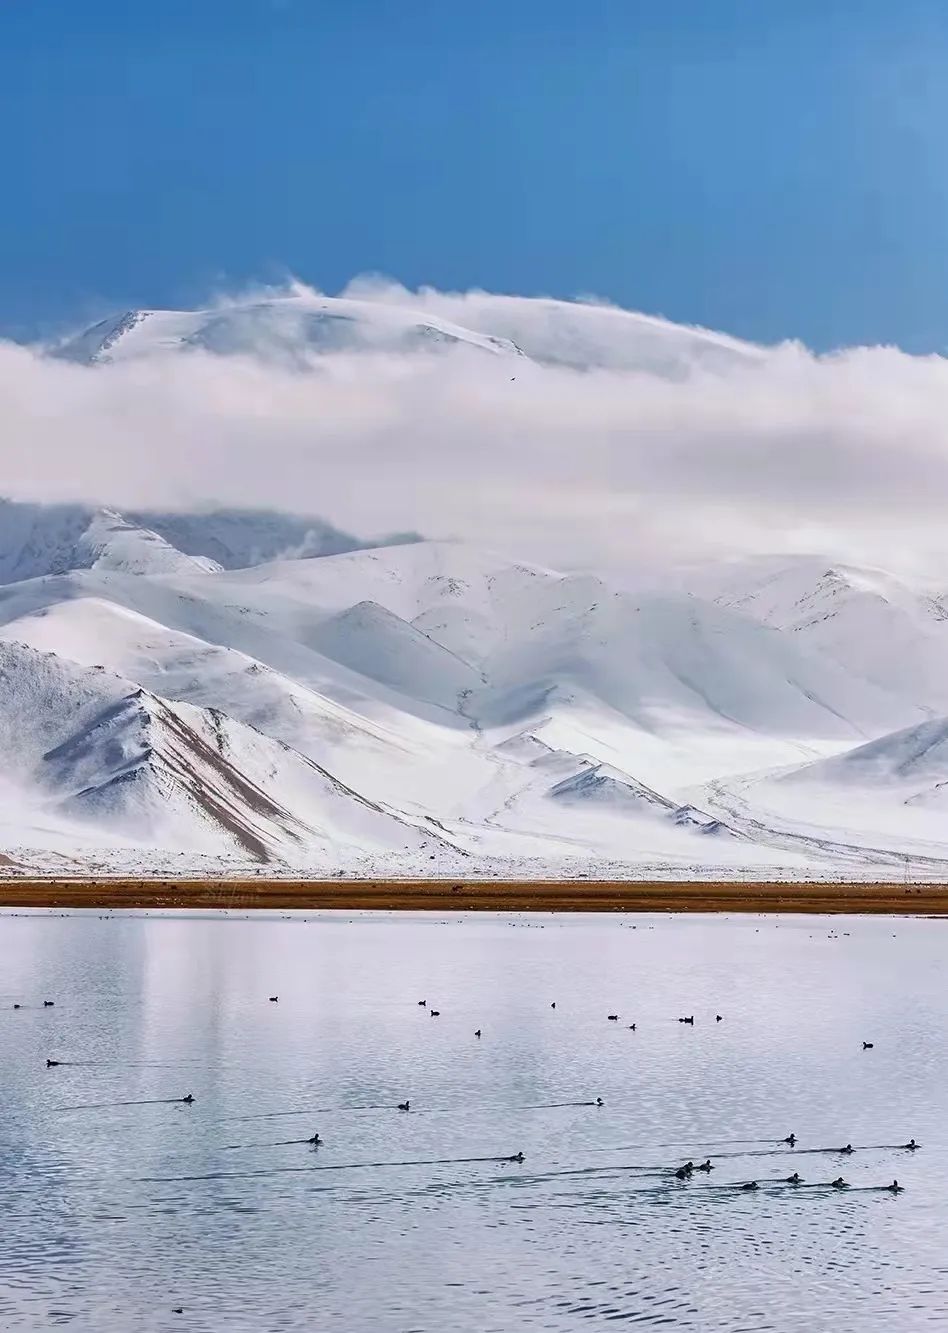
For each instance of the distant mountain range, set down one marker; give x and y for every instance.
(227, 688)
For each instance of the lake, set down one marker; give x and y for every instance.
(123, 1204)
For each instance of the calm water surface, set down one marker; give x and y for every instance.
(114, 1214)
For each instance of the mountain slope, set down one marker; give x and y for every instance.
(875, 625)
(102, 749)
(912, 763)
(383, 647)
(583, 335)
(882, 803)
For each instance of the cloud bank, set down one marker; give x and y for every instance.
(617, 440)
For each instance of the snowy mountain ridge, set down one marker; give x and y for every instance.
(291, 328)
(40, 539)
(288, 329)
(433, 707)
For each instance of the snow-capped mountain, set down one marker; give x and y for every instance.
(295, 326)
(433, 706)
(288, 328)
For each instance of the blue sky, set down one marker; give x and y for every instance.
(769, 167)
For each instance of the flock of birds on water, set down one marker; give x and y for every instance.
(685, 1172)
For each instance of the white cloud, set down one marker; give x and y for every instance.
(678, 443)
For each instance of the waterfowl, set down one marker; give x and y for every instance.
(690, 1020)
(750, 1185)
(839, 1184)
(706, 1165)
(895, 1187)
(718, 1018)
(911, 1145)
(848, 1149)
(477, 1033)
(423, 1003)
(613, 1018)
(17, 1006)
(189, 1099)
(435, 1013)
(274, 999)
(795, 1179)
(867, 1045)
(403, 1106)
(600, 1102)
(48, 1004)
(51, 1064)
(553, 1005)
(631, 1027)
(791, 1139)
(315, 1141)
(517, 1157)
(683, 1173)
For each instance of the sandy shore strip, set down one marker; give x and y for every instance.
(898, 899)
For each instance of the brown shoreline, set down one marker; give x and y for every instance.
(479, 896)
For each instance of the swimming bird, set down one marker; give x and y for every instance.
(517, 1157)
(683, 1173)
(690, 1020)
(177, 1309)
(718, 1018)
(795, 1179)
(848, 1149)
(631, 1027)
(404, 1106)
(600, 1102)
(315, 1141)
(423, 1003)
(189, 1099)
(477, 1033)
(51, 1064)
(48, 1004)
(791, 1139)
(17, 1006)
(895, 1187)
(706, 1165)
(553, 1005)
(750, 1185)
(867, 1045)
(613, 1018)
(839, 1184)
(274, 999)
(435, 1013)
(911, 1146)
